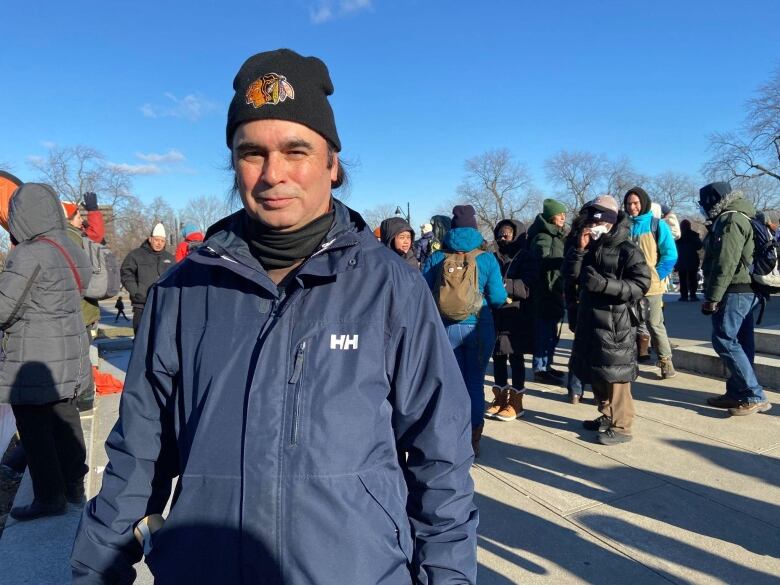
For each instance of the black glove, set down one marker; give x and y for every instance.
(709, 307)
(593, 281)
(90, 201)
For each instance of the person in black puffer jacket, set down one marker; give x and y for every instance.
(398, 235)
(514, 321)
(143, 267)
(612, 276)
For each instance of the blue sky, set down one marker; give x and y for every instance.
(420, 85)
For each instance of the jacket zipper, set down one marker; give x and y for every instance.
(295, 378)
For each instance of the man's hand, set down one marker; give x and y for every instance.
(90, 201)
(593, 281)
(709, 307)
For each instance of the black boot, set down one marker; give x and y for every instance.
(39, 509)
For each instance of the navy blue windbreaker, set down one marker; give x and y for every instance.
(320, 436)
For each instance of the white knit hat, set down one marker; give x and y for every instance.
(158, 231)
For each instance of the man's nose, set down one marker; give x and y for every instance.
(273, 169)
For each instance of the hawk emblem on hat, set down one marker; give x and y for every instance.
(271, 88)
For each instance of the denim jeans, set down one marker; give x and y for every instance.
(574, 385)
(473, 344)
(732, 338)
(545, 340)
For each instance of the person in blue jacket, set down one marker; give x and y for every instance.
(473, 338)
(294, 375)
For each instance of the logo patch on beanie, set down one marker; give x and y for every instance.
(271, 88)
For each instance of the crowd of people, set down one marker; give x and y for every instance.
(295, 371)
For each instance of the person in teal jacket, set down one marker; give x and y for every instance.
(473, 338)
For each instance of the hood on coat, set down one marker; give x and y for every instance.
(391, 227)
(734, 201)
(518, 241)
(464, 239)
(541, 225)
(34, 210)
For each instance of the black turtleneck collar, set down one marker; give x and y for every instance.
(274, 249)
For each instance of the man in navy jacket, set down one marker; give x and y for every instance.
(294, 375)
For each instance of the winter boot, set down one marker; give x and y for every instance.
(500, 396)
(643, 348)
(514, 406)
(667, 369)
(476, 435)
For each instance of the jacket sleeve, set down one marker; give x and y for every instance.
(95, 229)
(572, 265)
(495, 293)
(17, 278)
(432, 424)
(430, 269)
(634, 281)
(128, 274)
(667, 251)
(727, 244)
(142, 458)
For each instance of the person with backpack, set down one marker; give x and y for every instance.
(729, 297)
(95, 230)
(655, 239)
(45, 364)
(143, 267)
(398, 235)
(545, 242)
(513, 321)
(466, 284)
(612, 277)
(192, 239)
(688, 246)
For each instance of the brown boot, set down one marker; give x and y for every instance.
(513, 408)
(476, 435)
(643, 348)
(500, 396)
(667, 368)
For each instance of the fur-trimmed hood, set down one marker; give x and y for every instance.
(734, 201)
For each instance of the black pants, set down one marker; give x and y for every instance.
(501, 375)
(137, 313)
(120, 313)
(54, 444)
(688, 283)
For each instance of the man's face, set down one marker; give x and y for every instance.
(157, 243)
(633, 205)
(505, 234)
(559, 219)
(282, 172)
(403, 242)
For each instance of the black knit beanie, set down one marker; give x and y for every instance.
(710, 194)
(283, 85)
(464, 216)
(644, 199)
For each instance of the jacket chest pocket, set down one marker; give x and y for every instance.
(296, 389)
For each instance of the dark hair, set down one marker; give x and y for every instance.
(342, 178)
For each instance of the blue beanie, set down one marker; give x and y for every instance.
(187, 229)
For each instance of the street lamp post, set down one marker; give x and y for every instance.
(399, 213)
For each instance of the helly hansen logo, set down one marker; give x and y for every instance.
(343, 341)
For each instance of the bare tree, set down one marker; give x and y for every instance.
(376, 214)
(763, 192)
(497, 186)
(204, 211)
(620, 176)
(677, 190)
(754, 149)
(75, 170)
(578, 174)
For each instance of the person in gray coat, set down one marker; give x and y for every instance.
(46, 363)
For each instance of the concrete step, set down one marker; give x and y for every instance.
(702, 359)
(768, 340)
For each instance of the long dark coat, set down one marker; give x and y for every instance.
(605, 336)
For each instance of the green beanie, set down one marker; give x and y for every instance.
(551, 207)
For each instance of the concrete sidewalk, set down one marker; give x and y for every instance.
(695, 498)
